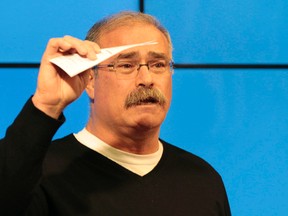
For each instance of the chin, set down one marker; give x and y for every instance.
(147, 126)
(149, 121)
(148, 116)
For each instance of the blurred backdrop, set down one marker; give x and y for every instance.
(230, 87)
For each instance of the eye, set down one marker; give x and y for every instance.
(125, 65)
(158, 64)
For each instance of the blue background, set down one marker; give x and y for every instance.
(236, 119)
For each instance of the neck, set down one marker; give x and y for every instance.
(133, 140)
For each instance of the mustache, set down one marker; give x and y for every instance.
(143, 95)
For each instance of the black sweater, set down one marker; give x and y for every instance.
(67, 178)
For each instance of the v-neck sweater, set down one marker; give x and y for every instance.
(75, 180)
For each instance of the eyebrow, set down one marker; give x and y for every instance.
(158, 55)
(134, 54)
(128, 55)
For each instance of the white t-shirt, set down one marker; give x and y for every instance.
(139, 164)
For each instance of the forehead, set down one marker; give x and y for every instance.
(136, 33)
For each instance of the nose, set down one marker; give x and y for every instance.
(140, 65)
(144, 77)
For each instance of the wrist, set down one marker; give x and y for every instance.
(54, 111)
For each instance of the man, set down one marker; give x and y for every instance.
(116, 165)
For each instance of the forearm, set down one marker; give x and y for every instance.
(22, 152)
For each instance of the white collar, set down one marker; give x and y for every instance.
(139, 164)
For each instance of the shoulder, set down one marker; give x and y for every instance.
(67, 146)
(200, 182)
(189, 161)
(62, 152)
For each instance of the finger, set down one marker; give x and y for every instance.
(92, 49)
(69, 44)
(93, 45)
(83, 48)
(56, 45)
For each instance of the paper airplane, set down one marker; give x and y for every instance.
(74, 64)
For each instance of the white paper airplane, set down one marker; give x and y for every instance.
(74, 64)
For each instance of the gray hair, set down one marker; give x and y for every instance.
(125, 18)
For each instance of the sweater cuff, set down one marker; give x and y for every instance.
(33, 121)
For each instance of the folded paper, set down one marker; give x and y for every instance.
(74, 64)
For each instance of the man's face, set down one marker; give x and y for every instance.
(110, 93)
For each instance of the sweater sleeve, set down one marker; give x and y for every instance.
(22, 152)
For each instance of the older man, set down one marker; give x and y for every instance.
(116, 165)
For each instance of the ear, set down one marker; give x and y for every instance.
(90, 85)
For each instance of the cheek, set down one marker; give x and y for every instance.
(111, 93)
(167, 89)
